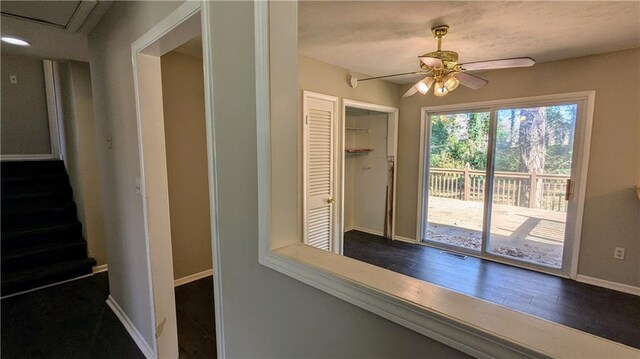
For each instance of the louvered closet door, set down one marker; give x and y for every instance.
(319, 172)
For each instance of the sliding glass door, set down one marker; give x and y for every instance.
(497, 182)
(457, 167)
(531, 183)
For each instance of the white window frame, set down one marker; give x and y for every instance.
(468, 324)
(585, 101)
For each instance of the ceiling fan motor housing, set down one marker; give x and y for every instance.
(449, 58)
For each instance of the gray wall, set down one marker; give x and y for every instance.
(81, 155)
(25, 122)
(186, 146)
(115, 113)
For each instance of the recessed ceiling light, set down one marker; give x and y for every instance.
(15, 41)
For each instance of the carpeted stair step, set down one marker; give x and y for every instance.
(25, 217)
(42, 240)
(43, 254)
(40, 276)
(30, 184)
(36, 235)
(13, 169)
(36, 200)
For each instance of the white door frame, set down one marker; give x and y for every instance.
(579, 167)
(392, 118)
(335, 243)
(169, 33)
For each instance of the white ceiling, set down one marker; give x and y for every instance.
(381, 38)
(56, 13)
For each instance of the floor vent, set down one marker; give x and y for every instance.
(459, 256)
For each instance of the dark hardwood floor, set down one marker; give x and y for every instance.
(72, 320)
(599, 311)
(196, 319)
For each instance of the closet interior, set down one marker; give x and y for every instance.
(369, 162)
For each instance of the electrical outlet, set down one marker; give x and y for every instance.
(618, 253)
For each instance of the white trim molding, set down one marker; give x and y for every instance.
(131, 328)
(625, 288)
(47, 286)
(28, 157)
(101, 268)
(193, 277)
(367, 230)
(404, 239)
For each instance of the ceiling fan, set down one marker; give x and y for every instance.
(444, 73)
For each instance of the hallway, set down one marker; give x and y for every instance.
(72, 320)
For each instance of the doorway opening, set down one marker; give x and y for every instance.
(171, 64)
(188, 186)
(369, 168)
(505, 180)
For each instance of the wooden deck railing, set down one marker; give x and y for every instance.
(510, 188)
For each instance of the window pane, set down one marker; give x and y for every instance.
(457, 168)
(534, 149)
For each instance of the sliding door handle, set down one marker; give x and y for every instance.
(568, 194)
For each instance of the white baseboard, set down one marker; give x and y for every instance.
(133, 331)
(404, 239)
(351, 228)
(27, 157)
(193, 277)
(609, 285)
(101, 268)
(367, 230)
(47, 286)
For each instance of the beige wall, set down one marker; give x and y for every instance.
(186, 144)
(612, 212)
(25, 123)
(81, 155)
(317, 76)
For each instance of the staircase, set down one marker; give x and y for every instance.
(41, 239)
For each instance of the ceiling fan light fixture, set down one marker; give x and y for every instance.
(439, 89)
(451, 82)
(424, 86)
(15, 41)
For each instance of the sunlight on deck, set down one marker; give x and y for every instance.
(529, 234)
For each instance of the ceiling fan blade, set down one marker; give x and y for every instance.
(499, 64)
(411, 91)
(431, 61)
(427, 81)
(472, 82)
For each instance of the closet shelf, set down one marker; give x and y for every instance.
(357, 151)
